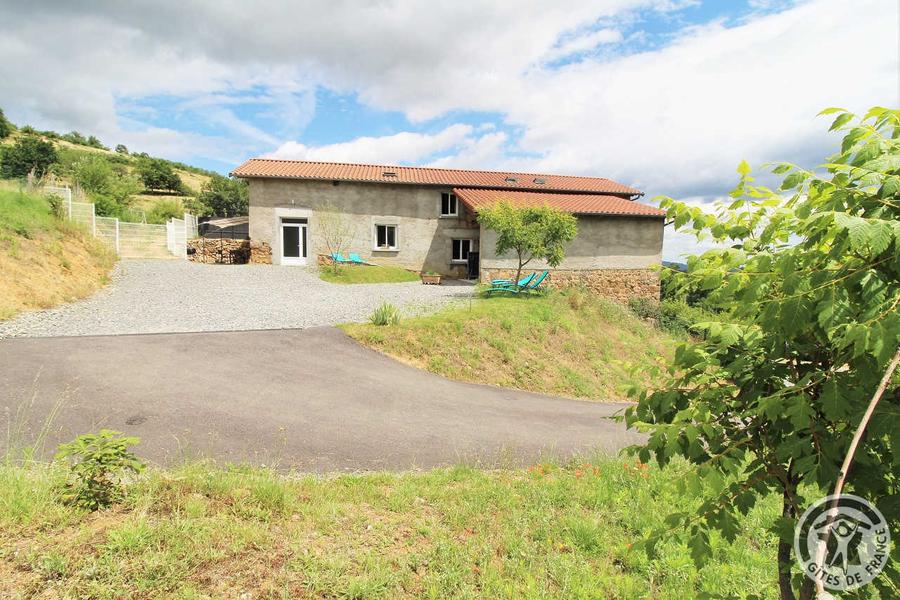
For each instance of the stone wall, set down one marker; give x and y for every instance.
(617, 284)
(424, 237)
(221, 251)
(260, 253)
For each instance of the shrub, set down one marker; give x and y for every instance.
(164, 210)
(577, 297)
(121, 149)
(673, 316)
(6, 128)
(386, 314)
(98, 463)
(29, 152)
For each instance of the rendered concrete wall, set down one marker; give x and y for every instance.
(424, 236)
(601, 243)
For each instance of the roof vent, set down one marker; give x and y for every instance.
(511, 179)
(389, 174)
(539, 180)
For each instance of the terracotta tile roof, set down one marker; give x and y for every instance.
(301, 169)
(579, 204)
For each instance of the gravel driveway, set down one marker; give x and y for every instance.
(164, 296)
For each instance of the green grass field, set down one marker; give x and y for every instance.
(206, 532)
(366, 274)
(569, 343)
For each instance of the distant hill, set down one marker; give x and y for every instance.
(122, 192)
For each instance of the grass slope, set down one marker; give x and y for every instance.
(198, 532)
(367, 274)
(44, 261)
(569, 343)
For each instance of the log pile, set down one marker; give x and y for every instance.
(260, 253)
(219, 251)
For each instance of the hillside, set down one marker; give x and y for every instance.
(569, 343)
(134, 203)
(45, 261)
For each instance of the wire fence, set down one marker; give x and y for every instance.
(129, 240)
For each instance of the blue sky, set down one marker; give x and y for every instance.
(664, 95)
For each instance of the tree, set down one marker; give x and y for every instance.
(225, 196)
(158, 174)
(28, 153)
(768, 401)
(535, 232)
(6, 128)
(121, 149)
(336, 230)
(109, 186)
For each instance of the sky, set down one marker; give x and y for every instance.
(664, 95)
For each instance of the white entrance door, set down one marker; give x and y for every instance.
(294, 241)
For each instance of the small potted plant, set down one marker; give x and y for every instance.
(431, 278)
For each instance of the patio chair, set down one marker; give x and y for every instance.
(338, 257)
(522, 282)
(355, 259)
(531, 284)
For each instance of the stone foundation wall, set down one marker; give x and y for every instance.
(221, 251)
(617, 284)
(260, 253)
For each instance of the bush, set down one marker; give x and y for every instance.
(121, 149)
(29, 152)
(110, 186)
(98, 464)
(164, 210)
(6, 128)
(386, 314)
(670, 315)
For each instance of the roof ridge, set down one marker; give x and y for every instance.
(382, 166)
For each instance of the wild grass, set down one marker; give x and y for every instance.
(570, 343)
(45, 261)
(553, 530)
(366, 274)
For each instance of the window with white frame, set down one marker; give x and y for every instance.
(386, 237)
(448, 204)
(461, 250)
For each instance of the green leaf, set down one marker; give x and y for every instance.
(840, 121)
(744, 168)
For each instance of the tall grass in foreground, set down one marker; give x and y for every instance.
(553, 530)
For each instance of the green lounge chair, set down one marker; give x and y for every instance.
(522, 282)
(338, 257)
(531, 284)
(355, 259)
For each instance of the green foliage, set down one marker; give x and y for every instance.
(29, 153)
(109, 185)
(121, 149)
(158, 174)
(24, 214)
(6, 128)
(225, 196)
(674, 316)
(808, 288)
(531, 233)
(164, 210)
(386, 314)
(98, 463)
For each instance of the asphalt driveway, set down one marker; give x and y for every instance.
(309, 399)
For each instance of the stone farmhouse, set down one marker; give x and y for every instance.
(424, 219)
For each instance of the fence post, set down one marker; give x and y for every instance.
(185, 221)
(117, 238)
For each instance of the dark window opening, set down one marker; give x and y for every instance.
(461, 250)
(386, 236)
(448, 204)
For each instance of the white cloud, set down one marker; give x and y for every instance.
(674, 120)
(405, 147)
